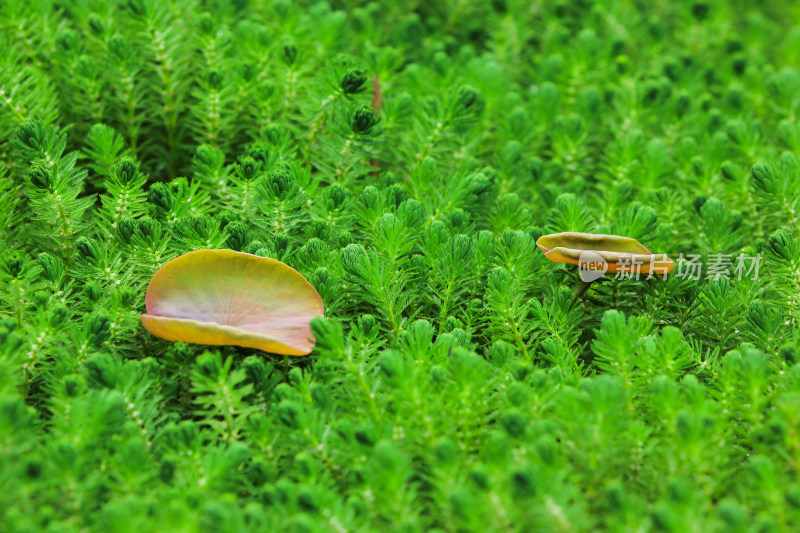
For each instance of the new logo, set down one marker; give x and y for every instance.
(591, 266)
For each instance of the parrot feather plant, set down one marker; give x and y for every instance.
(185, 187)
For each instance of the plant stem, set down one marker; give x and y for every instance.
(582, 287)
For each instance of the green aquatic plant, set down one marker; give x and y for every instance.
(401, 160)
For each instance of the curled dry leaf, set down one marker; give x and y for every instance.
(618, 252)
(222, 297)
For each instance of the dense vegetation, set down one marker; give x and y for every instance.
(403, 156)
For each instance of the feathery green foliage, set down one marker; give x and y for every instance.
(404, 157)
